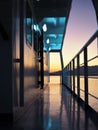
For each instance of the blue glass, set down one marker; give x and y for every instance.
(28, 21)
(55, 32)
(29, 37)
(29, 31)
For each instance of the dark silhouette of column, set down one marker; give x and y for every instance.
(86, 76)
(22, 53)
(62, 63)
(42, 64)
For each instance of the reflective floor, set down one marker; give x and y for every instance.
(54, 108)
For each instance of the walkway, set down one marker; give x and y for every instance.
(54, 109)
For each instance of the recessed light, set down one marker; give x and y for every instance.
(35, 28)
(44, 27)
(49, 48)
(48, 41)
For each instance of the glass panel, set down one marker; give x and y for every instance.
(92, 49)
(53, 35)
(93, 62)
(55, 63)
(93, 83)
(81, 58)
(82, 87)
(29, 31)
(29, 24)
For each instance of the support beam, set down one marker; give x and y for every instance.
(73, 75)
(22, 53)
(49, 66)
(61, 57)
(42, 60)
(70, 69)
(62, 64)
(78, 75)
(86, 76)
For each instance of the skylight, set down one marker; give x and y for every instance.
(53, 32)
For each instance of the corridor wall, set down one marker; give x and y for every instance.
(18, 60)
(25, 72)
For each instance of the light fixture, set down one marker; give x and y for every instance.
(48, 41)
(35, 28)
(49, 48)
(44, 27)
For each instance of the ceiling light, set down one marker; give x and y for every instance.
(48, 41)
(44, 27)
(35, 28)
(49, 48)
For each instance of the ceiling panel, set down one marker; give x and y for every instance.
(54, 15)
(54, 33)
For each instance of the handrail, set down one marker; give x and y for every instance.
(71, 73)
(86, 44)
(90, 94)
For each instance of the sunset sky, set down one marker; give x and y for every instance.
(81, 25)
(55, 63)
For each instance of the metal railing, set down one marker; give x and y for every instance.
(76, 74)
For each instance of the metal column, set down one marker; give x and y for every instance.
(78, 75)
(73, 75)
(42, 60)
(22, 53)
(86, 76)
(62, 63)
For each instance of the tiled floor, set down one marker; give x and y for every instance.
(54, 109)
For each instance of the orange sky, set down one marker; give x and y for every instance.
(55, 63)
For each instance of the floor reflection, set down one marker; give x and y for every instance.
(78, 118)
(64, 113)
(54, 108)
(33, 118)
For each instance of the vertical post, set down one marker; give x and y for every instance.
(73, 76)
(70, 75)
(49, 66)
(86, 76)
(62, 63)
(78, 76)
(22, 53)
(42, 66)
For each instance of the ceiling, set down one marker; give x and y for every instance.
(51, 8)
(54, 14)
